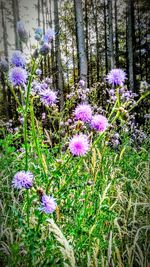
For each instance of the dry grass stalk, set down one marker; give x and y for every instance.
(66, 249)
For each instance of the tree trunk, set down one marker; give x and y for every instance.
(38, 8)
(110, 23)
(105, 29)
(87, 38)
(95, 15)
(130, 13)
(80, 40)
(59, 74)
(116, 35)
(15, 7)
(4, 32)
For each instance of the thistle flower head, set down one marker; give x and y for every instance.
(4, 65)
(49, 36)
(83, 112)
(18, 59)
(38, 34)
(44, 50)
(82, 83)
(48, 204)
(22, 179)
(48, 97)
(116, 77)
(79, 145)
(99, 123)
(17, 76)
(23, 35)
(38, 72)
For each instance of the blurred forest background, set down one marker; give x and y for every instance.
(113, 34)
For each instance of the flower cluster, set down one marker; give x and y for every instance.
(48, 204)
(44, 40)
(83, 112)
(17, 76)
(99, 123)
(79, 145)
(22, 179)
(18, 59)
(48, 97)
(116, 77)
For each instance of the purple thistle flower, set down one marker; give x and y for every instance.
(4, 65)
(38, 72)
(82, 83)
(49, 36)
(48, 97)
(83, 112)
(44, 50)
(22, 179)
(17, 76)
(22, 32)
(111, 92)
(79, 145)
(99, 123)
(38, 34)
(116, 77)
(18, 59)
(48, 204)
(44, 86)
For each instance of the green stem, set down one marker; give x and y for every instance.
(34, 132)
(140, 99)
(70, 176)
(14, 94)
(28, 208)
(26, 115)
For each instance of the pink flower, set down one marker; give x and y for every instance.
(79, 145)
(83, 112)
(48, 204)
(99, 123)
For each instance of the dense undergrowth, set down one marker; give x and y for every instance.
(103, 207)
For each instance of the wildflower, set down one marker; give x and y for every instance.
(48, 204)
(99, 123)
(48, 97)
(79, 145)
(49, 36)
(111, 92)
(18, 59)
(4, 65)
(38, 72)
(83, 112)
(22, 179)
(44, 86)
(116, 77)
(18, 76)
(82, 83)
(38, 34)
(22, 32)
(44, 50)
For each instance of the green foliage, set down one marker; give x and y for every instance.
(104, 194)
